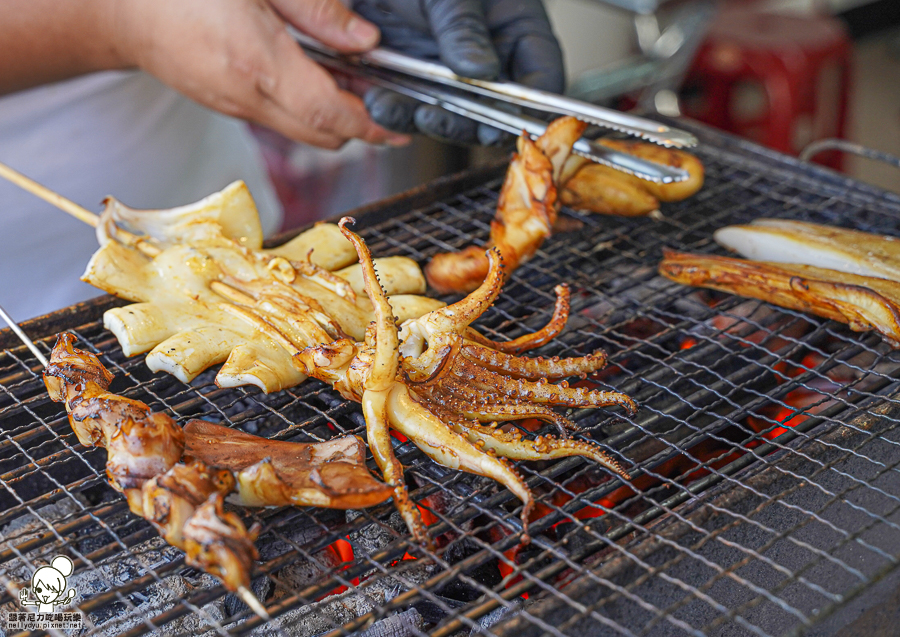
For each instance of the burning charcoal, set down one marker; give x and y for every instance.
(494, 616)
(374, 537)
(233, 604)
(159, 597)
(405, 624)
(322, 617)
(434, 612)
(30, 526)
(302, 572)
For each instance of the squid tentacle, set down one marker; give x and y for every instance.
(432, 364)
(458, 316)
(534, 340)
(491, 412)
(378, 423)
(534, 368)
(512, 444)
(387, 344)
(540, 391)
(451, 449)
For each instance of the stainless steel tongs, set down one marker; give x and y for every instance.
(422, 81)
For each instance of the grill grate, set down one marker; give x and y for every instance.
(765, 454)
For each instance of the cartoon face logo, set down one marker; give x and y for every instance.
(48, 585)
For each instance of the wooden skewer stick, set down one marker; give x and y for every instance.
(66, 205)
(70, 207)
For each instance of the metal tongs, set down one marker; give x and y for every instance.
(426, 82)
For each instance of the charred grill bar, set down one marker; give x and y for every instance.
(765, 457)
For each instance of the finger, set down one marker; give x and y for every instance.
(391, 110)
(490, 136)
(437, 122)
(462, 36)
(524, 39)
(306, 104)
(538, 62)
(331, 23)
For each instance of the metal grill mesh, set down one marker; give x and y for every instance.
(765, 455)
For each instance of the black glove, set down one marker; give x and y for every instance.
(483, 39)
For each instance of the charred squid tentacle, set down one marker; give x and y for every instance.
(534, 368)
(512, 444)
(540, 392)
(494, 412)
(534, 340)
(505, 413)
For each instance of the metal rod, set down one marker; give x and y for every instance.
(512, 93)
(513, 123)
(22, 336)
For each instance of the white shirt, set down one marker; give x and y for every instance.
(113, 133)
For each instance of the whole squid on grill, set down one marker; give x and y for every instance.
(207, 293)
(177, 479)
(446, 387)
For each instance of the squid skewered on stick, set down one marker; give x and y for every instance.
(437, 382)
(177, 479)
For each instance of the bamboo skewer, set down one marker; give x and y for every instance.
(66, 205)
(70, 207)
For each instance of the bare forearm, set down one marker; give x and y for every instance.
(45, 41)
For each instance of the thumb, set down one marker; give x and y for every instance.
(331, 23)
(464, 43)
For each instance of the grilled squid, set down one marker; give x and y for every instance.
(827, 247)
(526, 210)
(862, 302)
(178, 479)
(597, 188)
(543, 174)
(446, 388)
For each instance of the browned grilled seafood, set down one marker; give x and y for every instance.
(597, 188)
(863, 302)
(436, 381)
(178, 479)
(526, 210)
(542, 174)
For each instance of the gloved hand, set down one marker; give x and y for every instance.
(483, 39)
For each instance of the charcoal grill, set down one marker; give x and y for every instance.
(765, 454)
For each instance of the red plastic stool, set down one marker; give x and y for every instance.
(780, 80)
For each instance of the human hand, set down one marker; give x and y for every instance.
(483, 39)
(236, 57)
